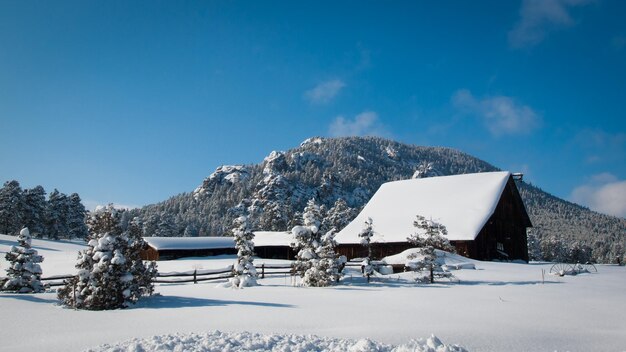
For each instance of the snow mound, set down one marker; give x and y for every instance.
(449, 261)
(246, 341)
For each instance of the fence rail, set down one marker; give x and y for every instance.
(195, 276)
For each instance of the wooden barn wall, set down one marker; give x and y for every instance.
(149, 254)
(505, 231)
(275, 252)
(379, 250)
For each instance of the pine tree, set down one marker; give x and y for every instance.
(430, 234)
(428, 237)
(57, 215)
(325, 270)
(35, 210)
(316, 261)
(243, 270)
(24, 274)
(106, 277)
(11, 204)
(366, 237)
(76, 218)
(339, 216)
(143, 273)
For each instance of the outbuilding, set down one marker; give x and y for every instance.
(483, 213)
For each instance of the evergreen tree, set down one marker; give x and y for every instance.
(24, 274)
(57, 215)
(243, 270)
(76, 218)
(35, 210)
(366, 236)
(151, 224)
(143, 273)
(11, 204)
(106, 278)
(339, 216)
(166, 226)
(428, 237)
(430, 234)
(324, 270)
(316, 260)
(306, 238)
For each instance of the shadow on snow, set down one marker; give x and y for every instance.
(28, 297)
(158, 302)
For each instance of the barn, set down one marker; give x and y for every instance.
(270, 245)
(168, 248)
(483, 213)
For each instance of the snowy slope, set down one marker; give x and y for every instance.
(462, 203)
(497, 307)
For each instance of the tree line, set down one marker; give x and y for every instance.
(58, 216)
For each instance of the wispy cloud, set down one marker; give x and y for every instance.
(538, 17)
(603, 193)
(601, 146)
(324, 92)
(501, 115)
(363, 124)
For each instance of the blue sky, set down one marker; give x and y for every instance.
(132, 102)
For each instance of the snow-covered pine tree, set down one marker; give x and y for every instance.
(76, 217)
(24, 274)
(307, 242)
(430, 234)
(35, 210)
(366, 236)
(243, 270)
(339, 216)
(143, 273)
(324, 271)
(428, 237)
(11, 203)
(105, 277)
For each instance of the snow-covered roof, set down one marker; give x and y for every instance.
(261, 238)
(272, 238)
(169, 243)
(462, 203)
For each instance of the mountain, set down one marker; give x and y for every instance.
(352, 169)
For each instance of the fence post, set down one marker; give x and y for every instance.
(195, 281)
(432, 276)
(263, 271)
(74, 291)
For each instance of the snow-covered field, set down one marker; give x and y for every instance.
(497, 307)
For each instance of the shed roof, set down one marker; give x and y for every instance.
(462, 203)
(272, 238)
(174, 243)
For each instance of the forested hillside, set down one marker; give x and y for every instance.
(343, 173)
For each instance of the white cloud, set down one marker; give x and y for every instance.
(603, 193)
(501, 115)
(538, 17)
(601, 146)
(363, 124)
(324, 92)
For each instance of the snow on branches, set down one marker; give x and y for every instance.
(24, 274)
(366, 236)
(111, 274)
(243, 270)
(429, 236)
(316, 260)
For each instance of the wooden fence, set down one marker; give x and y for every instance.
(195, 276)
